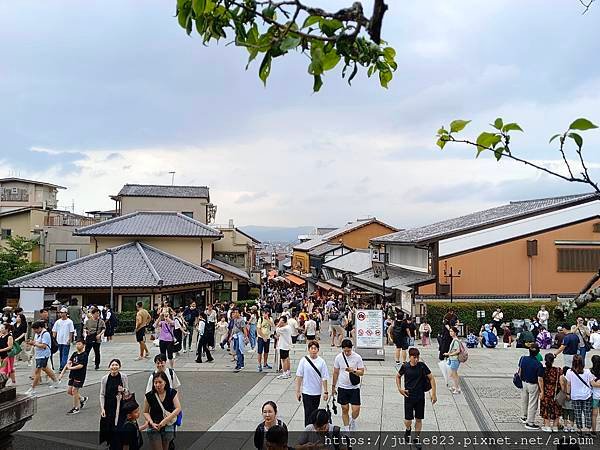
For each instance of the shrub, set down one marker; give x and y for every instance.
(126, 322)
(242, 303)
(467, 313)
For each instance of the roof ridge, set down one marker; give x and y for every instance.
(177, 258)
(559, 197)
(167, 185)
(104, 222)
(197, 222)
(151, 267)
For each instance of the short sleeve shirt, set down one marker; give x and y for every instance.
(63, 329)
(312, 383)
(355, 361)
(414, 379)
(43, 338)
(77, 359)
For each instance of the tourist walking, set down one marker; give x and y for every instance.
(399, 337)
(211, 322)
(550, 410)
(270, 420)
(583, 333)
(453, 361)
(497, 318)
(179, 331)
(579, 389)
(531, 372)
(444, 339)
(221, 332)
(311, 381)
(129, 433)
(63, 331)
(166, 337)
(310, 329)
(112, 387)
(74, 313)
(161, 409)
(264, 330)
(569, 346)
(239, 336)
(42, 343)
(160, 365)
(348, 368)
(284, 343)
(20, 335)
(335, 322)
(595, 370)
(142, 320)
(567, 407)
(203, 339)
(418, 379)
(77, 367)
(6, 346)
(252, 322)
(190, 314)
(110, 319)
(425, 332)
(543, 316)
(93, 331)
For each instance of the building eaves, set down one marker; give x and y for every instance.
(157, 190)
(24, 180)
(220, 265)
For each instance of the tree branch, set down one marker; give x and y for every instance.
(562, 152)
(374, 28)
(586, 5)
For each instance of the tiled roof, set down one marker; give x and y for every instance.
(402, 279)
(135, 265)
(309, 245)
(470, 222)
(220, 265)
(150, 223)
(158, 190)
(323, 249)
(355, 262)
(23, 180)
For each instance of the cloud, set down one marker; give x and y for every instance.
(250, 197)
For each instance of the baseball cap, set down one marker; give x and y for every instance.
(63, 310)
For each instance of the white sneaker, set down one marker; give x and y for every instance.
(555, 429)
(547, 429)
(30, 391)
(352, 426)
(184, 351)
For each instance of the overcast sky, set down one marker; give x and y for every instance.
(97, 94)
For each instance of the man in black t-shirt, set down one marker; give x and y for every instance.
(415, 375)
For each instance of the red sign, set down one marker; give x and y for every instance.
(377, 332)
(361, 316)
(361, 332)
(369, 332)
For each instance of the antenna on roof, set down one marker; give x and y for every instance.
(172, 177)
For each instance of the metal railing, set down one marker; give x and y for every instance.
(69, 221)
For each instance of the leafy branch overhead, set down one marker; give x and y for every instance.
(498, 142)
(272, 29)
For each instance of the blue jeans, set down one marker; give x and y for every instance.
(63, 351)
(238, 343)
(252, 335)
(581, 351)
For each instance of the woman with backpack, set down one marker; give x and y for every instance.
(453, 361)
(269, 414)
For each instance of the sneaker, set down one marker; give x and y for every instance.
(73, 411)
(524, 419)
(52, 385)
(532, 426)
(82, 402)
(97, 368)
(237, 369)
(259, 368)
(184, 351)
(283, 376)
(547, 429)
(352, 425)
(555, 429)
(266, 366)
(30, 391)
(139, 358)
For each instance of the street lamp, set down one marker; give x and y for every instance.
(452, 276)
(111, 252)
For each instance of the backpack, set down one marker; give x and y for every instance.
(463, 354)
(53, 343)
(426, 380)
(492, 340)
(334, 315)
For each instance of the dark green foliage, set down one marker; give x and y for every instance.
(14, 261)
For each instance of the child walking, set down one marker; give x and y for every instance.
(77, 367)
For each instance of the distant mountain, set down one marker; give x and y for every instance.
(275, 234)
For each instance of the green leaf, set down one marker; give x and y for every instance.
(317, 83)
(582, 124)
(385, 76)
(577, 138)
(269, 12)
(311, 20)
(330, 60)
(371, 71)
(389, 54)
(554, 137)
(330, 26)
(199, 6)
(316, 56)
(182, 18)
(442, 131)
(498, 123)
(289, 43)
(487, 140)
(353, 74)
(189, 24)
(511, 127)
(458, 125)
(265, 68)
(440, 143)
(498, 153)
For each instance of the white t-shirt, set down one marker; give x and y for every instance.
(580, 391)
(285, 337)
(543, 316)
(62, 329)
(294, 324)
(312, 383)
(310, 327)
(355, 361)
(173, 382)
(595, 340)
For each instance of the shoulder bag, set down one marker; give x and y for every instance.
(560, 397)
(517, 377)
(354, 379)
(314, 367)
(586, 342)
(91, 338)
(165, 412)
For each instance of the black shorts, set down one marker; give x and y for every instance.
(401, 343)
(348, 396)
(310, 337)
(284, 354)
(263, 346)
(294, 339)
(76, 383)
(414, 408)
(140, 334)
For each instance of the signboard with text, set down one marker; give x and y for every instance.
(369, 328)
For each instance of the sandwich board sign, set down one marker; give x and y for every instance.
(369, 334)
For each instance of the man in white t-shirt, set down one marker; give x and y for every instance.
(543, 316)
(63, 330)
(595, 339)
(284, 343)
(311, 381)
(348, 394)
(310, 329)
(293, 322)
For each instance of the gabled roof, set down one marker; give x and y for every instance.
(256, 241)
(159, 190)
(484, 219)
(220, 265)
(135, 265)
(402, 279)
(10, 212)
(23, 180)
(355, 262)
(338, 232)
(150, 224)
(325, 248)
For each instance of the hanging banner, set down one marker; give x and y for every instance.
(369, 328)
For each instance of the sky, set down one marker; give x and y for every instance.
(97, 94)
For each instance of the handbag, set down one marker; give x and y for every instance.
(586, 343)
(16, 349)
(517, 377)
(91, 338)
(354, 379)
(560, 397)
(173, 421)
(175, 341)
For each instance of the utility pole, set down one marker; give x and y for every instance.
(452, 276)
(172, 177)
(111, 252)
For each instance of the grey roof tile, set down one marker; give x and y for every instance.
(323, 249)
(355, 262)
(399, 278)
(157, 190)
(481, 219)
(150, 223)
(228, 268)
(135, 265)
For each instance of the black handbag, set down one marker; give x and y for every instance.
(354, 379)
(586, 342)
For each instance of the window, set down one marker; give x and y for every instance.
(578, 259)
(223, 291)
(6, 233)
(128, 302)
(190, 214)
(63, 256)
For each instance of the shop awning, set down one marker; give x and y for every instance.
(329, 287)
(272, 274)
(296, 280)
